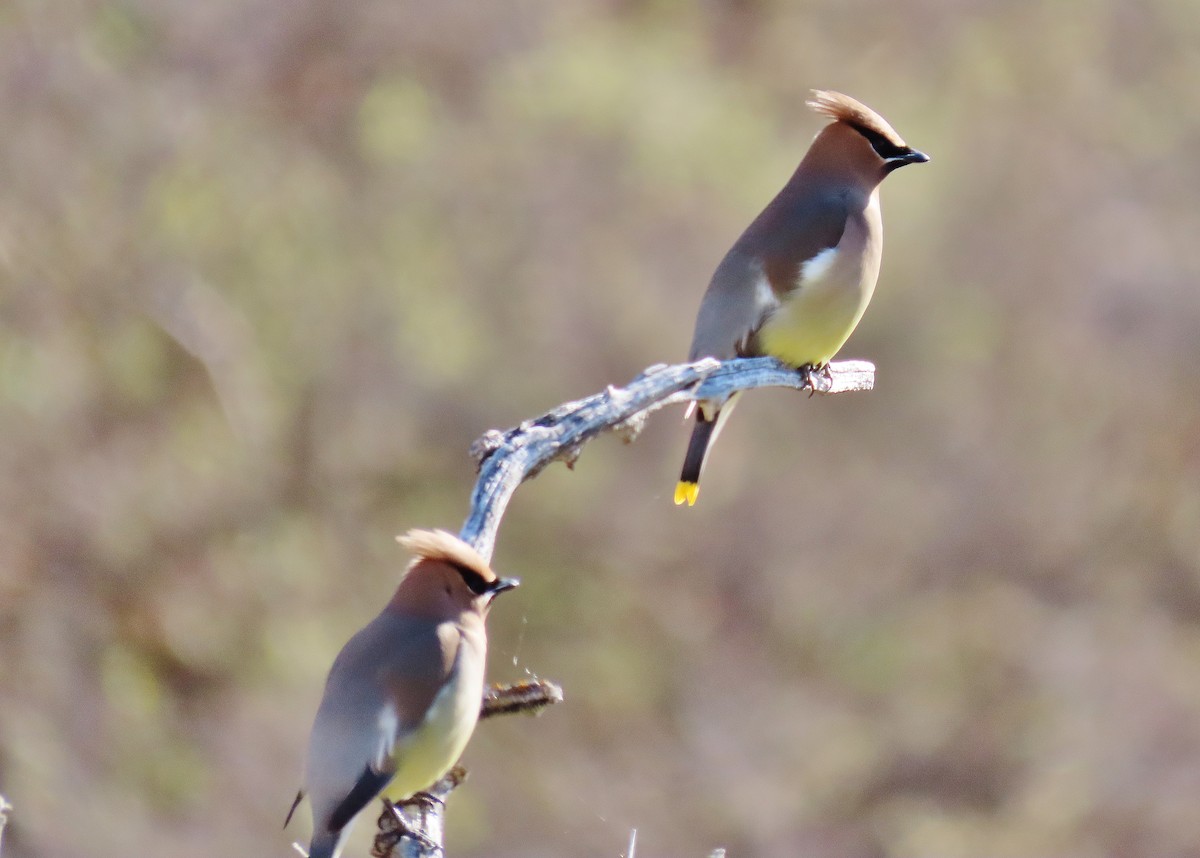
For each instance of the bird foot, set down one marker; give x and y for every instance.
(427, 801)
(818, 378)
(404, 828)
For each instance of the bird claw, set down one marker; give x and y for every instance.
(424, 800)
(819, 379)
(404, 828)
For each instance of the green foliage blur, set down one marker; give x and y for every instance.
(267, 268)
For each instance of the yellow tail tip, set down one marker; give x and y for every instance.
(686, 492)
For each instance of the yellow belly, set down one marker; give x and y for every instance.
(423, 761)
(831, 293)
(814, 323)
(434, 748)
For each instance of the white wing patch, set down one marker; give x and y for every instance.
(388, 724)
(765, 303)
(764, 295)
(817, 267)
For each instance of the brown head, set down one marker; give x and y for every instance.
(858, 145)
(447, 579)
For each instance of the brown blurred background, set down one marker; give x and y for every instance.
(267, 268)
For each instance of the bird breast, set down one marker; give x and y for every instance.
(831, 293)
(433, 748)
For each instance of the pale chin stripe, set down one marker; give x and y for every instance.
(818, 266)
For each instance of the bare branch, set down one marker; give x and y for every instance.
(506, 459)
(528, 697)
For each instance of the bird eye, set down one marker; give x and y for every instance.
(473, 580)
(883, 147)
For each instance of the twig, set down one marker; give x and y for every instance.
(528, 697)
(507, 459)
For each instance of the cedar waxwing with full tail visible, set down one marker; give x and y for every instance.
(403, 695)
(797, 281)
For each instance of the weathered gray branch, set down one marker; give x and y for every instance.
(507, 459)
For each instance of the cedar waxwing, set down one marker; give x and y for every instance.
(403, 695)
(797, 281)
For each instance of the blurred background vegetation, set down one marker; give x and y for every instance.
(267, 268)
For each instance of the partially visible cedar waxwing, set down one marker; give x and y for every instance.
(403, 695)
(797, 281)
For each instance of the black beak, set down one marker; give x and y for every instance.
(908, 156)
(502, 584)
(912, 156)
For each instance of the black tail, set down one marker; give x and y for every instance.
(693, 463)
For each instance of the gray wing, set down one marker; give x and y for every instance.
(738, 299)
(371, 699)
(763, 267)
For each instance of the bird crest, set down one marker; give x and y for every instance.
(448, 548)
(843, 108)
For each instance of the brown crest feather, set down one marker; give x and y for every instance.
(444, 546)
(843, 108)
